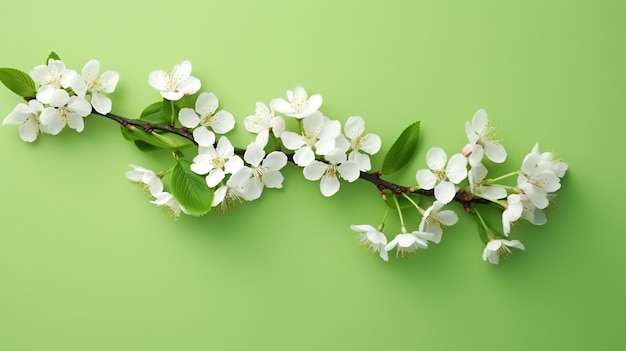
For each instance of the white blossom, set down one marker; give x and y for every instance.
(319, 133)
(263, 171)
(177, 83)
(91, 82)
(482, 140)
(499, 248)
(52, 77)
(27, 116)
(406, 243)
(217, 162)
(434, 221)
(64, 110)
(262, 122)
(169, 202)
(338, 166)
(204, 117)
(368, 144)
(148, 177)
(299, 104)
(512, 212)
(372, 238)
(441, 177)
(476, 177)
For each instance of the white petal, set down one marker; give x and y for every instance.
(479, 122)
(79, 86)
(79, 106)
(188, 118)
(262, 138)
(324, 146)
(201, 164)
(362, 228)
(495, 152)
(172, 95)
(276, 160)
(371, 144)
(349, 171)
(436, 158)
(291, 140)
(274, 180)
(203, 136)
(457, 168)
(158, 80)
(214, 177)
(224, 148)
(354, 127)
(514, 243)
(101, 103)
(223, 122)
(314, 170)
(426, 179)
(445, 192)
(448, 217)
(219, 195)
(58, 98)
(278, 126)
(282, 106)
(303, 156)
(206, 104)
(108, 81)
(477, 155)
(75, 121)
(233, 165)
(18, 116)
(29, 130)
(313, 104)
(362, 160)
(329, 185)
(51, 122)
(254, 154)
(189, 86)
(493, 192)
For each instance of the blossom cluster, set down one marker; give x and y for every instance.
(294, 130)
(537, 180)
(63, 98)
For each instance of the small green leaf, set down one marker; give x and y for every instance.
(53, 55)
(402, 149)
(157, 113)
(145, 147)
(190, 189)
(18, 82)
(161, 141)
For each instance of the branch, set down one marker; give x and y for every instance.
(461, 196)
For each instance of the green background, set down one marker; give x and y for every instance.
(86, 263)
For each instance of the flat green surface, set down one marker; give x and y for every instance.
(86, 263)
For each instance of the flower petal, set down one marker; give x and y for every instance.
(329, 185)
(314, 170)
(445, 191)
(188, 118)
(426, 179)
(436, 158)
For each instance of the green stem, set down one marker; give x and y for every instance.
(395, 200)
(419, 209)
(503, 177)
(172, 117)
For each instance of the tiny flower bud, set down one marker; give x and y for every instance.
(467, 150)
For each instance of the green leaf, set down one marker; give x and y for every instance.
(18, 82)
(157, 113)
(145, 147)
(190, 189)
(53, 55)
(402, 150)
(157, 140)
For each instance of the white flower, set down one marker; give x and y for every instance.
(535, 163)
(52, 78)
(537, 179)
(262, 122)
(369, 143)
(27, 116)
(476, 177)
(263, 171)
(90, 82)
(482, 140)
(65, 110)
(512, 213)
(233, 192)
(177, 83)
(217, 162)
(147, 177)
(300, 104)
(221, 122)
(531, 213)
(499, 248)
(372, 238)
(329, 173)
(406, 243)
(440, 178)
(434, 220)
(169, 202)
(319, 132)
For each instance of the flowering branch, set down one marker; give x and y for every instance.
(222, 174)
